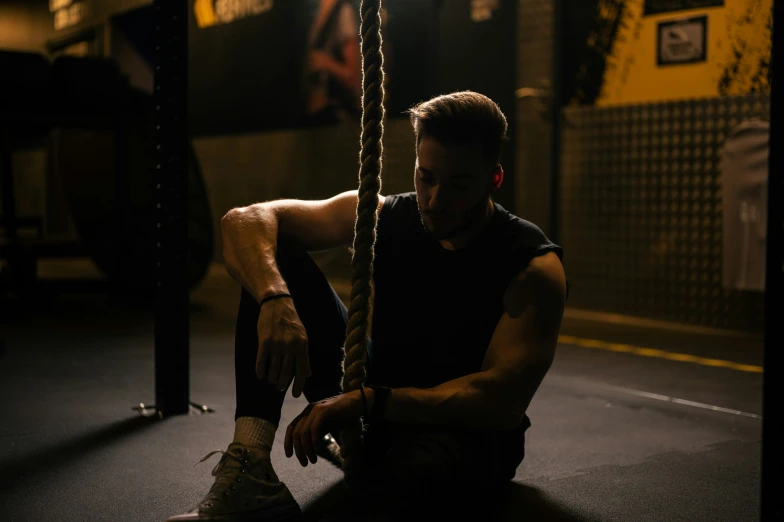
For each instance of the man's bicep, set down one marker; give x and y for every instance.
(525, 338)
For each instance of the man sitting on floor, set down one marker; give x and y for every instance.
(468, 301)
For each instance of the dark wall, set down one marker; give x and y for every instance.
(587, 43)
(479, 56)
(132, 47)
(409, 35)
(246, 76)
(25, 25)
(136, 26)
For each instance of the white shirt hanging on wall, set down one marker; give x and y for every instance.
(744, 179)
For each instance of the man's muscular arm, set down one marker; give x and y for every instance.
(250, 236)
(518, 357)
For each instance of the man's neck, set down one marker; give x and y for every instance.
(470, 235)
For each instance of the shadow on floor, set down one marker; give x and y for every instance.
(515, 502)
(60, 455)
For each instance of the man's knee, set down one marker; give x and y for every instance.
(422, 463)
(431, 459)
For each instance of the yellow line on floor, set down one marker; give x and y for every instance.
(660, 354)
(628, 320)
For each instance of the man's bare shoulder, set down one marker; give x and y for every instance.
(542, 283)
(548, 265)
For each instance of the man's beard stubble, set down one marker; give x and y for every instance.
(467, 219)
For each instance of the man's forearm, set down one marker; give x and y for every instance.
(249, 250)
(478, 401)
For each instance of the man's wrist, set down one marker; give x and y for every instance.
(364, 398)
(271, 290)
(380, 399)
(370, 395)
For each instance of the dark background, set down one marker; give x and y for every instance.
(478, 56)
(247, 75)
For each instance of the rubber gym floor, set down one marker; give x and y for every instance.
(633, 423)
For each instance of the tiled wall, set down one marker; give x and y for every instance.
(641, 210)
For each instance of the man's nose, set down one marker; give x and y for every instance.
(438, 198)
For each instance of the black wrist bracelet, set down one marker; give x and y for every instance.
(380, 394)
(272, 298)
(364, 402)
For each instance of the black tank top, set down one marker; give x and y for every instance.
(435, 310)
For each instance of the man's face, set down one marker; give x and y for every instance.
(453, 186)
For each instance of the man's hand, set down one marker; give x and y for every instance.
(283, 346)
(316, 420)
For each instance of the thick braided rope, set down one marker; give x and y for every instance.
(365, 228)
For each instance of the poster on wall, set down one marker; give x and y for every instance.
(271, 64)
(653, 7)
(260, 65)
(682, 41)
(332, 83)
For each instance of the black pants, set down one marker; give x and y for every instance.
(324, 317)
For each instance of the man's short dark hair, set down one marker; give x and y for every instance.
(461, 118)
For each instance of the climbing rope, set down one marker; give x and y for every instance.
(365, 227)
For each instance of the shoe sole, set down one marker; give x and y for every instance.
(273, 514)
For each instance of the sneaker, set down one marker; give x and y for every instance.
(246, 489)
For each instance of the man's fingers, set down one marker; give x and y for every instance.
(286, 369)
(299, 385)
(261, 364)
(306, 438)
(317, 433)
(298, 444)
(303, 372)
(308, 373)
(274, 370)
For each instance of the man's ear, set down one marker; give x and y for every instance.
(498, 177)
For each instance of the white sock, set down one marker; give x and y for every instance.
(252, 431)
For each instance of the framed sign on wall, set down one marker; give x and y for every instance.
(653, 7)
(682, 41)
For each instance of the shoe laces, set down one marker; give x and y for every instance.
(225, 471)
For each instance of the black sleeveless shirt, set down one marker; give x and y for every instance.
(435, 310)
